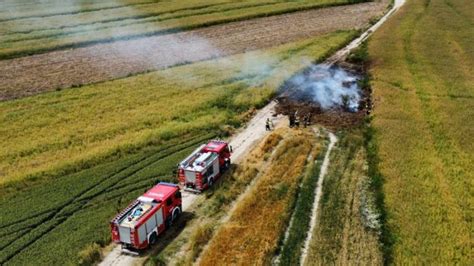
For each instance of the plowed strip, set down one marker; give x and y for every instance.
(62, 69)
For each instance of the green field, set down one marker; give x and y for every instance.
(34, 27)
(95, 148)
(423, 82)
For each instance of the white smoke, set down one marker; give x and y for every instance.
(329, 86)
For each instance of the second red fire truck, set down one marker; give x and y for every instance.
(204, 166)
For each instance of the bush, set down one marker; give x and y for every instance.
(90, 254)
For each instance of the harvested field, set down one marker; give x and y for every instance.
(62, 69)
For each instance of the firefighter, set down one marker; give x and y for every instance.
(297, 120)
(268, 125)
(307, 120)
(292, 120)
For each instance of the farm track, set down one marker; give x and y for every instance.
(35, 74)
(58, 215)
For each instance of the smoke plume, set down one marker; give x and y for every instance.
(327, 86)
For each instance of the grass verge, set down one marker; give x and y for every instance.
(211, 211)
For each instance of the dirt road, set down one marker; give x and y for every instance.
(344, 52)
(242, 142)
(31, 75)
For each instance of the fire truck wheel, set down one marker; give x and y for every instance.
(227, 165)
(211, 182)
(176, 214)
(153, 238)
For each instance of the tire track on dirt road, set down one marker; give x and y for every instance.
(35, 74)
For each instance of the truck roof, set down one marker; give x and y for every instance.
(152, 199)
(215, 146)
(201, 161)
(161, 191)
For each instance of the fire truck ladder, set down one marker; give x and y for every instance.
(122, 213)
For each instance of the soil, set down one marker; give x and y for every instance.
(35, 74)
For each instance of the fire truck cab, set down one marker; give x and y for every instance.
(204, 166)
(139, 225)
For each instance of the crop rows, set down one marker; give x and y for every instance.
(160, 18)
(423, 130)
(16, 11)
(128, 179)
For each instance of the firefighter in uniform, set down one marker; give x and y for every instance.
(268, 125)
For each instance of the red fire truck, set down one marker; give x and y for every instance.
(139, 225)
(204, 166)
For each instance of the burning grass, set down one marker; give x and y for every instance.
(327, 95)
(251, 233)
(423, 84)
(108, 22)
